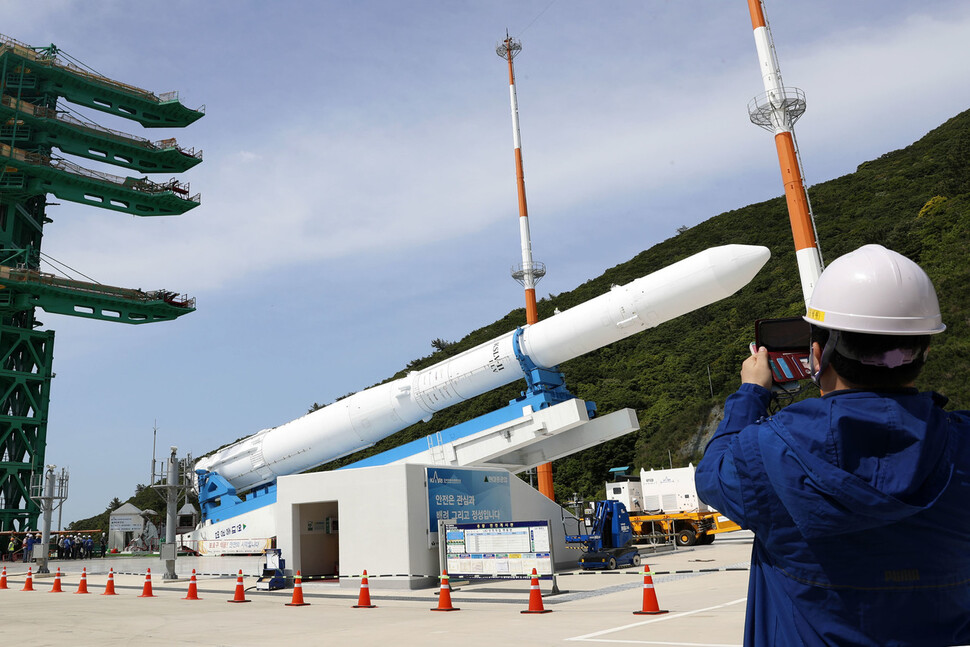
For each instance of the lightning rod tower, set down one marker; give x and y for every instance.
(777, 110)
(528, 272)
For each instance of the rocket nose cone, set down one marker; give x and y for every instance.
(738, 264)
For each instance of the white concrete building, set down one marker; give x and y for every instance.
(378, 519)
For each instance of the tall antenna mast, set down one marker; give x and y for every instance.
(528, 272)
(776, 111)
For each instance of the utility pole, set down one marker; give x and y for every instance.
(172, 481)
(42, 491)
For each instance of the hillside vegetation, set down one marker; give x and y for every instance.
(915, 200)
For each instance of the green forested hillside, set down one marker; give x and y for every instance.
(915, 200)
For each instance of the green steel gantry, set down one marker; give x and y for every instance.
(32, 125)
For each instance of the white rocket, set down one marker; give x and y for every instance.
(366, 417)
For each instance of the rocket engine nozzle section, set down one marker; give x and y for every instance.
(359, 421)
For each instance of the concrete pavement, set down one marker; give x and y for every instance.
(703, 589)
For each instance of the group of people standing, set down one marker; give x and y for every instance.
(78, 546)
(11, 546)
(66, 546)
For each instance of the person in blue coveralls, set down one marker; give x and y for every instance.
(860, 499)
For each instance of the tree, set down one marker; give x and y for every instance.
(440, 344)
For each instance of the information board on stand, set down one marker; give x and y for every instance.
(502, 550)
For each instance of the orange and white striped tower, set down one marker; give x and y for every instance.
(776, 111)
(528, 272)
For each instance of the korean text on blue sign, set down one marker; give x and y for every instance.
(468, 496)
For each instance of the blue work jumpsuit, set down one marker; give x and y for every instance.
(860, 505)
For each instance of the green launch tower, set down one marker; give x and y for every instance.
(34, 132)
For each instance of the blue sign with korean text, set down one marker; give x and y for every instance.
(468, 496)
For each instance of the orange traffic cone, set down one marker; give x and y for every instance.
(650, 605)
(363, 600)
(240, 595)
(109, 588)
(535, 597)
(193, 593)
(57, 582)
(146, 591)
(82, 586)
(297, 600)
(444, 595)
(29, 584)
(3, 579)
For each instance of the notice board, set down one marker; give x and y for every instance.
(503, 550)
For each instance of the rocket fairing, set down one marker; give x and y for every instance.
(366, 417)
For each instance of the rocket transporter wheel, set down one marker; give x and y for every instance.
(636, 559)
(686, 537)
(610, 565)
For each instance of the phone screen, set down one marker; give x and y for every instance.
(787, 341)
(792, 333)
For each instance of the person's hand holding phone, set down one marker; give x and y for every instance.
(756, 369)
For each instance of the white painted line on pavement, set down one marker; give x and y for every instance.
(594, 637)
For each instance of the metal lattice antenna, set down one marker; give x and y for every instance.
(508, 48)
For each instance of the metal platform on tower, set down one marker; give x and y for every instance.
(22, 289)
(75, 135)
(32, 125)
(49, 72)
(36, 173)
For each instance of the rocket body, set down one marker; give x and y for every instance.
(362, 419)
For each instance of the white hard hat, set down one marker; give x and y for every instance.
(876, 291)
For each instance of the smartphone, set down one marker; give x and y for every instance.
(788, 342)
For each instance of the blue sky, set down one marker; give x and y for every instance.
(358, 188)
